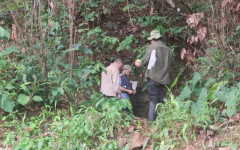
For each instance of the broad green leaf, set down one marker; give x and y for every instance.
(10, 87)
(232, 99)
(78, 45)
(196, 108)
(221, 96)
(229, 112)
(60, 90)
(3, 63)
(40, 144)
(130, 6)
(162, 30)
(186, 93)
(238, 85)
(8, 51)
(5, 103)
(54, 92)
(23, 86)
(37, 98)
(212, 91)
(23, 99)
(126, 44)
(195, 79)
(87, 50)
(203, 95)
(4, 34)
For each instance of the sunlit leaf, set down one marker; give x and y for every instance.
(37, 98)
(23, 99)
(186, 93)
(221, 96)
(203, 94)
(8, 51)
(87, 50)
(4, 34)
(196, 78)
(5, 103)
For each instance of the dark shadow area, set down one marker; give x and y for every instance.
(140, 103)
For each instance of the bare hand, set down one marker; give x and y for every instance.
(119, 96)
(138, 63)
(130, 92)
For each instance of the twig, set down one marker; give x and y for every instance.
(215, 128)
(186, 6)
(130, 15)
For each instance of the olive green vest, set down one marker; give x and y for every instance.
(159, 69)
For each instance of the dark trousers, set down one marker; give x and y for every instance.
(157, 93)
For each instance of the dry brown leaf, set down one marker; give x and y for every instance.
(51, 4)
(190, 57)
(1, 122)
(210, 143)
(191, 39)
(225, 148)
(131, 129)
(151, 11)
(50, 23)
(122, 141)
(150, 147)
(27, 129)
(191, 148)
(194, 19)
(224, 22)
(201, 33)
(138, 140)
(195, 53)
(224, 3)
(14, 32)
(183, 53)
(196, 39)
(237, 8)
(236, 116)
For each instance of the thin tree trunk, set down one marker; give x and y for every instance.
(71, 52)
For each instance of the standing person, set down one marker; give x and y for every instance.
(158, 60)
(110, 80)
(125, 85)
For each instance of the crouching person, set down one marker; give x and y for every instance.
(125, 85)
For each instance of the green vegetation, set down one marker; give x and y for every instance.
(52, 54)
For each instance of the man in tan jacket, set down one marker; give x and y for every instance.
(110, 79)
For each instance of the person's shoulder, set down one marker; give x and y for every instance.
(152, 47)
(163, 46)
(111, 67)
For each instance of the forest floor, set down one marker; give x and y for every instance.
(225, 136)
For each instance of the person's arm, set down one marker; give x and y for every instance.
(115, 81)
(126, 90)
(146, 57)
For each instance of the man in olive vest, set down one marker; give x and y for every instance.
(158, 60)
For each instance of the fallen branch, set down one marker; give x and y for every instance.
(233, 119)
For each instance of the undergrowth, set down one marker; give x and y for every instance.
(93, 125)
(97, 124)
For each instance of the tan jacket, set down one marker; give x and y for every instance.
(110, 81)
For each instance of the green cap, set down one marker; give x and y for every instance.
(127, 67)
(155, 34)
